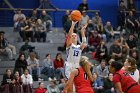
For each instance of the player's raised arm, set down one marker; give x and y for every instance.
(69, 41)
(83, 36)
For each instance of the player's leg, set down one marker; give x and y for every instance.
(67, 71)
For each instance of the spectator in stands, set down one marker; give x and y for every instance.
(83, 6)
(101, 52)
(61, 84)
(33, 24)
(90, 27)
(102, 70)
(17, 17)
(16, 86)
(24, 26)
(48, 67)
(138, 30)
(34, 15)
(40, 31)
(116, 50)
(137, 23)
(26, 77)
(98, 83)
(27, 81)
(131, 5)
(135, 54)
(52, 87)
(33, 65)
(94, 39)
(101, 31)
(108, 84)
(46, 18)
(41, 88)
(121, 15)
(100, 27)
(124, 46)
(65, 18)
(96, 19)
(122, 40)
(131, 42)
(19, 27)
(58, 61)
(84, 19)
(21, 64)
(17, 78)
(27, 30)
(7, 77)
(67, 25)
(4, 46)
(130, 22)
(58, 65)
(12, 47)
(109, 30)
(26, 49)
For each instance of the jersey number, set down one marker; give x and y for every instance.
(126, 74)
(76, 53)
(132, 73)
(85, 76)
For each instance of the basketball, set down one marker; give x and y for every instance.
(75, 15)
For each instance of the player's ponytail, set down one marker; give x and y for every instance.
(86, 66)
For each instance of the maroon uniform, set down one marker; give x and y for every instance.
(82, 83)
(128, 84)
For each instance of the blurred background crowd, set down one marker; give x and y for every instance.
(105, 43)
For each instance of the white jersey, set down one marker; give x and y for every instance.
(135, 75)
(73, 54)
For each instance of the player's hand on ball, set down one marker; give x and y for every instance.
(73, 23)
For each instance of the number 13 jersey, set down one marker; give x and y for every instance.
(73, 54)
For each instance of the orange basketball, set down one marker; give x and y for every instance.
(75, 15)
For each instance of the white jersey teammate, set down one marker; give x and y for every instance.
(73, 50)
(131, 68)
(135, 75)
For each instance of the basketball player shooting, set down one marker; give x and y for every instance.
(73, 51)
(82, 77)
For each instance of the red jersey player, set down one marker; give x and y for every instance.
(81, 77)
(122, 80)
